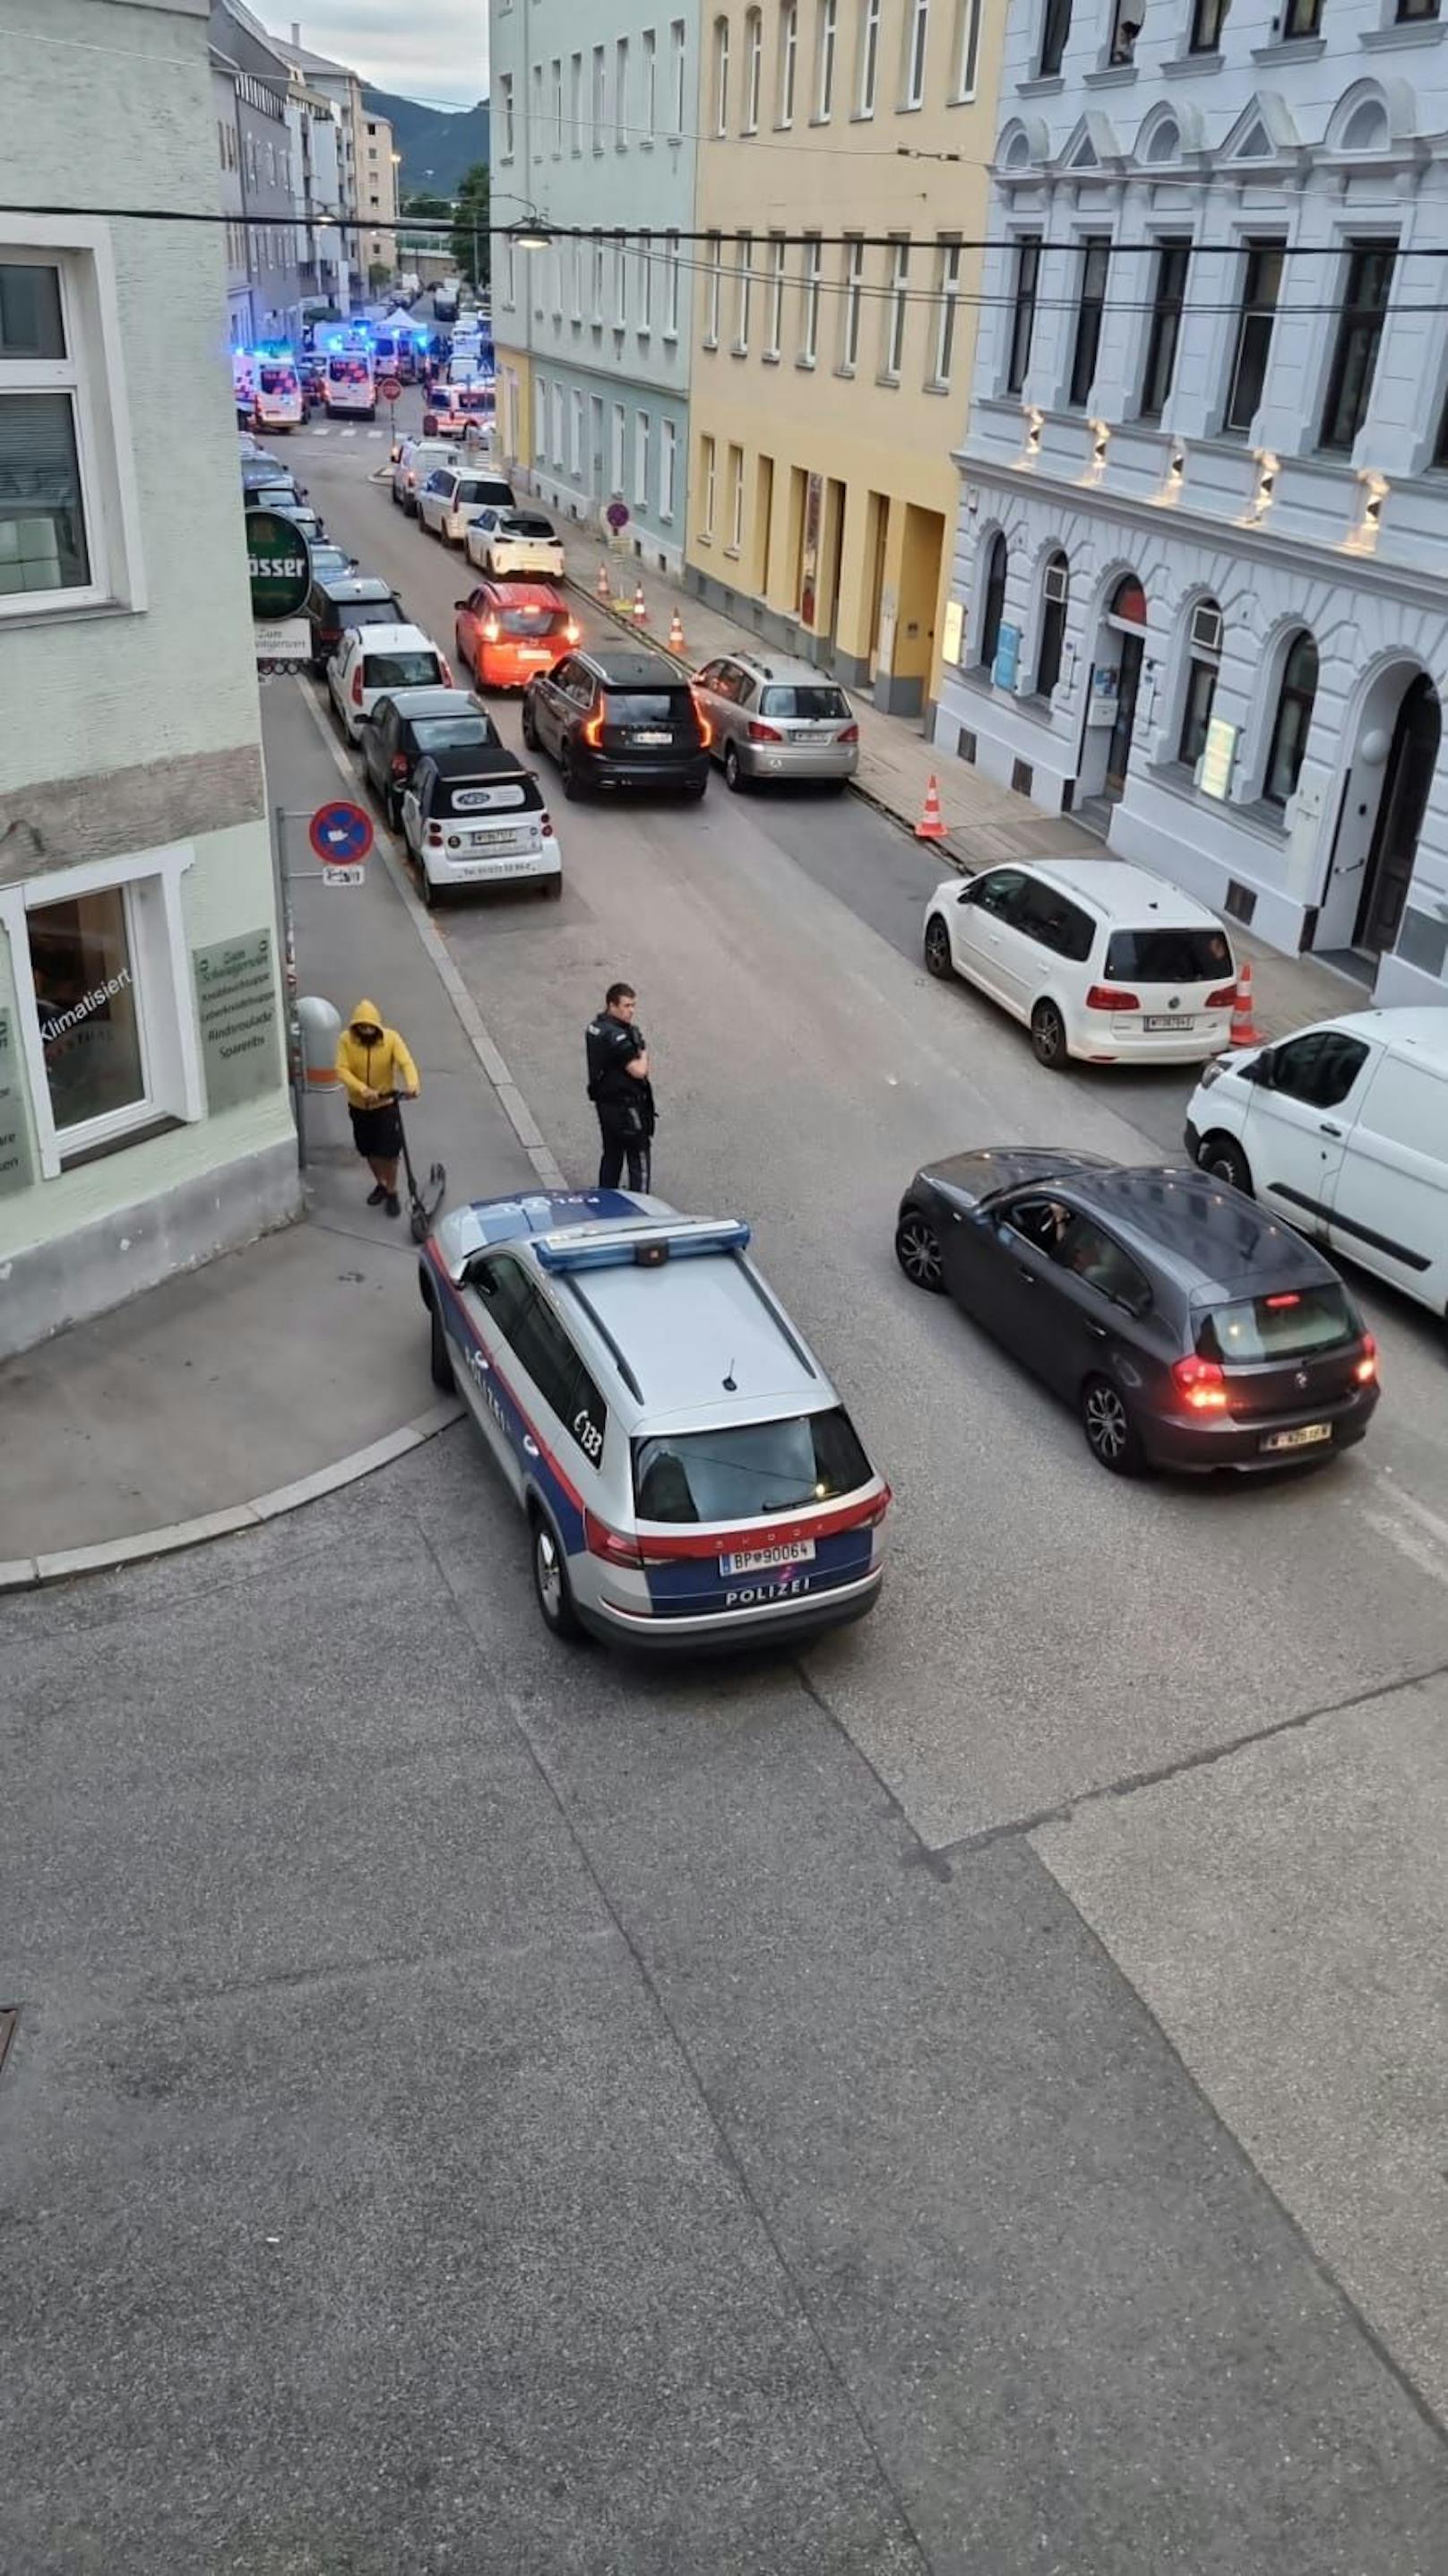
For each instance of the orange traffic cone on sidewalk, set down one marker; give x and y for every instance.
(931, 826)
(676, 633)
(640, 606)
(1244, 1031)
(603, 584)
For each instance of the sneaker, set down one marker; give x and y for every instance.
(376, 1197)
(394, 1203)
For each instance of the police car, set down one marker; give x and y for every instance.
(689, 1474)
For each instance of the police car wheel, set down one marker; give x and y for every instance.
(550, 1582)
(439, 1362)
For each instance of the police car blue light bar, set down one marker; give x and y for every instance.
(585, 1248)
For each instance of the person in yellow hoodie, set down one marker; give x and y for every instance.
(372, 1063)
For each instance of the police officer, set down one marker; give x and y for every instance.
(619, 1087)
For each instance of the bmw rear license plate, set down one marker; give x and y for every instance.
(1308, 1435)
(754, 1560)
(1161, 1020)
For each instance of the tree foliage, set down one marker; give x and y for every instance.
(470, 246)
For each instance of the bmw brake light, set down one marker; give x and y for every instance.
(1202, 1384)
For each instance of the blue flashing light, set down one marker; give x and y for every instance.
(585, 1248)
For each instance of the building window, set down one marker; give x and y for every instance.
(713, 262)
(1023, 313)
(671, 287)
(575, 104)
(721, 75)
(597, 309)
(510, 272)
(893, 351)
(620, 95)
(1204, 662)
(743, 257)
(575, 436)
(62, 518)
(997, 566)
(649, 47)
(619, 433)
(620, 288)
(505, 118)
(1410, 10)
(600, 97)
(1055, 599)
(643, 427)
(706, 487)
(947, 305)
(84, 979)
(1091, 303)
(555, 395)
(1125, 28)
(1300, 18)
(967, 51)
(850, 308)
(774, 301)
(679, 70)
(646, 285)
(1208, 19)
(1359, 334)
(1055, 29)
(825, 62)
(1261, 285)
(809, 301)
(1292, 722)
(1168, 297)
(868, 57)
(788, 48)
(668, 467)
(736, 500)
(917, 40)
(753, 61)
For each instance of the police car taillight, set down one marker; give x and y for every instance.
(610, 1544)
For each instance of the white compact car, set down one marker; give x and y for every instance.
(373, 662)
(416, 458)
(476, 817)
(1342, 1129)
(454, 496)
(505, 541)
(1100, 959)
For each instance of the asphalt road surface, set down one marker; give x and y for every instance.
(971, 2099)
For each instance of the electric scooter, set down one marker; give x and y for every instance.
(422, 1203)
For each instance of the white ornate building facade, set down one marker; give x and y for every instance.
(1202, 553)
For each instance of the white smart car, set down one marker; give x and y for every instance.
(1100, 959)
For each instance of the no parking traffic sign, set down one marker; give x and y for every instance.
(391, 389)
(341, 835)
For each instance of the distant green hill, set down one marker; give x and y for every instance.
(436, 147)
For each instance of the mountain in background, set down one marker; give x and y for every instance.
(436, 146)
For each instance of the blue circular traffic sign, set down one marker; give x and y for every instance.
(341, 834)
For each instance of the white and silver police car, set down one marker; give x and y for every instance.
(690, 1476)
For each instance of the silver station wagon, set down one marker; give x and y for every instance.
(690, 1476)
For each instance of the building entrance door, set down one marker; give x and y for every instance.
(1407, 781)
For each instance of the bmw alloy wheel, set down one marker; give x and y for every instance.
(917, 1249)
(1111, 1435)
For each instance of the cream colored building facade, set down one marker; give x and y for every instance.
(842, 179)
(373, 157)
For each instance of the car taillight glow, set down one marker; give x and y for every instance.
(849, 733)
(1223, 999)
(434, 836)
(760, 732)
(1203, 1383)
(1111, 997)
(1366, 1368)
(571, 633)
(1287, 1297)
(593, 731)
(357, 686)
(610, 1544)
(491, 631)
(545, 824)
(706, 730)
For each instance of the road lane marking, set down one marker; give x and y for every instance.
(348, 433)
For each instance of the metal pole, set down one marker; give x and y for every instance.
(295, 1072)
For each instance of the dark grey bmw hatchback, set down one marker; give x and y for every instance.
(1189, 1329)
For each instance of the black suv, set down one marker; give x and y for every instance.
(618, 719)
(348, 599)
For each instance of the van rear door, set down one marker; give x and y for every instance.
(1389, 1207)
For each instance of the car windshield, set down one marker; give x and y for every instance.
(1167, 957)
(401, 671)
(748, 1469)
(534, 621)
(451, 733)
(1286, 1326)
(812, 705)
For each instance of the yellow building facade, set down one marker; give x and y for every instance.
(841, 181)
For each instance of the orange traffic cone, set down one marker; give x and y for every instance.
(1244, 1031)
(640, 606)
(931, 826)
(676, 633)
(603, 583)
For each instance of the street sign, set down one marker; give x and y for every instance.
(340, 834)
(391, 389)
(332, 875)
(279, 563)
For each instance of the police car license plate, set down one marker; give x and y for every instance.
(752, 1560)
(1161, 1020)
(1306, 1436)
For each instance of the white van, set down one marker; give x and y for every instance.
(1343, 1130)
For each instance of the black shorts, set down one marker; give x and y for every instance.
(377, 1133)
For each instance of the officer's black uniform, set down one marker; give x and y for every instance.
(625, 1105)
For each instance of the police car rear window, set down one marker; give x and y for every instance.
(748, 1470)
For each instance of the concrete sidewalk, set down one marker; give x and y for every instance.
(986, 825)
(302, 1360)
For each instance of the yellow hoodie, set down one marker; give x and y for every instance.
(385, 1065)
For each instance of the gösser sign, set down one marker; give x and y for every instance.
(280, 566)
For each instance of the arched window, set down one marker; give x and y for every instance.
(1293, 721)
(788, 48)
(1055, 598)
(1128, 601)
(721, 75)
(753, 53)
(997, 565)
(1204, 661)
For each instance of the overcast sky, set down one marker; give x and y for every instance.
(436, 52)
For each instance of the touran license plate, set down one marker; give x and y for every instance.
(752, 1560)
(1308, 1435)
(1161, 1020)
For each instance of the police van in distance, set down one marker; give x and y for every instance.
(690, 1476)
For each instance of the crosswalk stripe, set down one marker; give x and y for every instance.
(349, 433)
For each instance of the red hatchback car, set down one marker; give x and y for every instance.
(507, 631)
